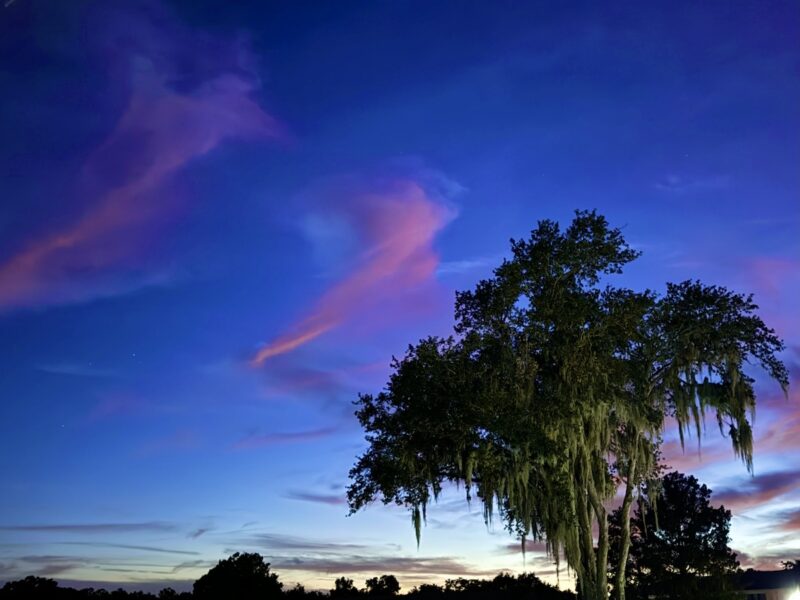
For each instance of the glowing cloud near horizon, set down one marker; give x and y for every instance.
(397, 227)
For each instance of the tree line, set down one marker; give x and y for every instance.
(679, 550)
(247, 576)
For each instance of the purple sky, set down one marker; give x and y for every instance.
(219, 224)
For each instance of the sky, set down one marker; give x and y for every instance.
(220, 221)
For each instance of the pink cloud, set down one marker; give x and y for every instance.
(776, 284)
(792, 521)
(122, 186)
(397, 227)
(772, 276)
(758, 490)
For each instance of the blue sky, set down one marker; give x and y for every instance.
(220, 222)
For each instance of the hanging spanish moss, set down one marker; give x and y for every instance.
(554, 392)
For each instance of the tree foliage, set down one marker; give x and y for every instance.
(554, 390)
(385, 585)
(242, 577)
(344, 587)
(679, 543)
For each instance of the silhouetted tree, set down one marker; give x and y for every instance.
(427, 591)
(30, 587)
(344, 588)
(241, 577)
(523, 587)
(385, 585)
(679, 543)
(549, 374)
(298, 591)
(791, 565)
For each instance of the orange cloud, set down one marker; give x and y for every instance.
(397, 227)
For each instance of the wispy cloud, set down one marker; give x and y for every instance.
(157, 549)
(459, 267)
(286, 437)
(198, 532)
(329, 499)
(192, 564)
(281, 542)
(163, 128)
(677, 184)
(99, 528)
(293, 553)
(77, 370)
(55, 569)
(395, 224)
(787, 520)
(758, 490)
(530, 546)
(443, 566)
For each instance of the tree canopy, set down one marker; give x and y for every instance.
(679, 543)
(554, 390)
(242, 576)
(385, 585)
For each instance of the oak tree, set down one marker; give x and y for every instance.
(554, 389)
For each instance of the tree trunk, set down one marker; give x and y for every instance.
(588, 578)
(601, 554)
(625, 536)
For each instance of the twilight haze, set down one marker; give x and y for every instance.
(220, 220)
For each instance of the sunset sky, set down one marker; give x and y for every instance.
(219, 221)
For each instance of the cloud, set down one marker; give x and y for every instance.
(47, 565)
(444, 566)
(459, 267)
(99, 528)
(689, 456)
(289, 437)
(788, 520)
(675, 184)
(329, 499)
(768, 561)
(198, 532)
(77, 370)
(193, 564)
(772, 276)
(299, 379)
(181, 105)
(758, 490)
(395, 224)
(280, 542)
(56, 565)
(530, 546)
(157, 549)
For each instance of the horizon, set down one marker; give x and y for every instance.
(220, 225)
